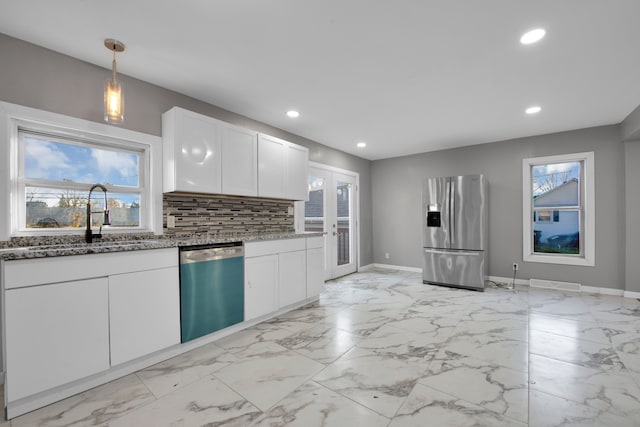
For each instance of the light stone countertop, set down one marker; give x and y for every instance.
(54, 247)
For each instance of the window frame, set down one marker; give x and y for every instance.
(586, 209)
(14, 118)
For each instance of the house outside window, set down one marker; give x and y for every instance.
(558, 205)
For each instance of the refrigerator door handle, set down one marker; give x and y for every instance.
(452, 212)
(436, 251)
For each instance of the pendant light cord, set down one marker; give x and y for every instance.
(114, 66)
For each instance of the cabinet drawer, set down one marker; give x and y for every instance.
(268, 247)
(30, 272)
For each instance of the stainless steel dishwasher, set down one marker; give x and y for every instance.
(211, 288)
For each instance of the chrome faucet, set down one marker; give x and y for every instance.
(89, 235)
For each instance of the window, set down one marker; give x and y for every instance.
(56, 172)
(559, 212)
(53, 162)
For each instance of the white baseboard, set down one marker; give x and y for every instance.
(583, 289)
(629, 294)
(603, 291)
(397, 267)
(508, 280)
(564, 286)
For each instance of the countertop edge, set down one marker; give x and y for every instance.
(156, 242)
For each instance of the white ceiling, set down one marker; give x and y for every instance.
(406, 76)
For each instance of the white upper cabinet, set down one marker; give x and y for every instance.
(282, 169)
(272, 155)
(240, 160)
(191, 152)
(205, 155)
(297, 173)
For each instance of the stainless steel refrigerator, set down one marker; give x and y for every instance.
(456, 231)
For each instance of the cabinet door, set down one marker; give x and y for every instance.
(315, 271)
(240, 161)
(55, 334)
(192, 154)
(260, 286)
(297, 173)
(144, 310)
(271, 167)
(292, 277)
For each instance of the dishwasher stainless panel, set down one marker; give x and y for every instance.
(211, 289)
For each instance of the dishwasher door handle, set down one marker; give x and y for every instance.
(211, 254)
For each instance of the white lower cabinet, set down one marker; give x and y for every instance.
(55, 334)
(278, 273)
(144, 309)
(260, 286)
(68, 318)
(315, 271)
(315, 265)
(292, 277)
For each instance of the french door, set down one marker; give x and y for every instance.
(332, 208)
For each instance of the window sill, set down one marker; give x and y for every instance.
(559, 259)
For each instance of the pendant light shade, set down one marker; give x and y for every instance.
(113, 95)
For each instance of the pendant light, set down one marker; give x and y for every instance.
(113, 96)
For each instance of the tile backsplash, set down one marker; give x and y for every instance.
(213, 214)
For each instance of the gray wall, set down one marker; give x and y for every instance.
(630, 127)
(40, 78)
(397, 211)
(632, 190)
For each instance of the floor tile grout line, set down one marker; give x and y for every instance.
(347, 397)
(213, 374)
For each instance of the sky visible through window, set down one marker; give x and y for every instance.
(65, 162)
(549, 176)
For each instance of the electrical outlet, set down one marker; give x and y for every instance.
(515, 266)
(386, 255)
(171, 221)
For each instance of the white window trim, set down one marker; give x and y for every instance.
(588, 214)
(12, 116)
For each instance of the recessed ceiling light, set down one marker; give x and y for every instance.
(533, 110)
(532, 36)
(361, 144)
(293, 114)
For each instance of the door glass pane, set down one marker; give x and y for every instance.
(556, 207)
(314, 207)
(343, 206)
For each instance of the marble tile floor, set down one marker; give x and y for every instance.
(382, 349)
